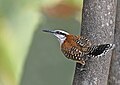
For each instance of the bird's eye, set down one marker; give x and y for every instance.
(58, 32)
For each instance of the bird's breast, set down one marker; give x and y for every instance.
(71, 50)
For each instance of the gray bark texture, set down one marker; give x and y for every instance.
(98, 25)
(114, 76)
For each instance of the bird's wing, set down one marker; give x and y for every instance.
(75, 48)
(84, 43)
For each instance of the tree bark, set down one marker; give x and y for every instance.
(98, 25)
(114, 77)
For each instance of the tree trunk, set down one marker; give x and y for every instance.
(114, 77)
(98, 25)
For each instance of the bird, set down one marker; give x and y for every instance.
(79, 48)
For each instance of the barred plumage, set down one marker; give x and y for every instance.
(75, 48)
(79, 48)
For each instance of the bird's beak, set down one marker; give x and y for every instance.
(48, 31)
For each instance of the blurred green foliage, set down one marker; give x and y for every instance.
(18, 21)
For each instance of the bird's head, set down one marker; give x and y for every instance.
(60, 34)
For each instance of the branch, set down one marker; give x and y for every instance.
(114, 77)
(98, 25)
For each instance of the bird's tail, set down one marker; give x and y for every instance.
(100, 50)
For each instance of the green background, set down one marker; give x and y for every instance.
(46, 65)
(27, 55)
